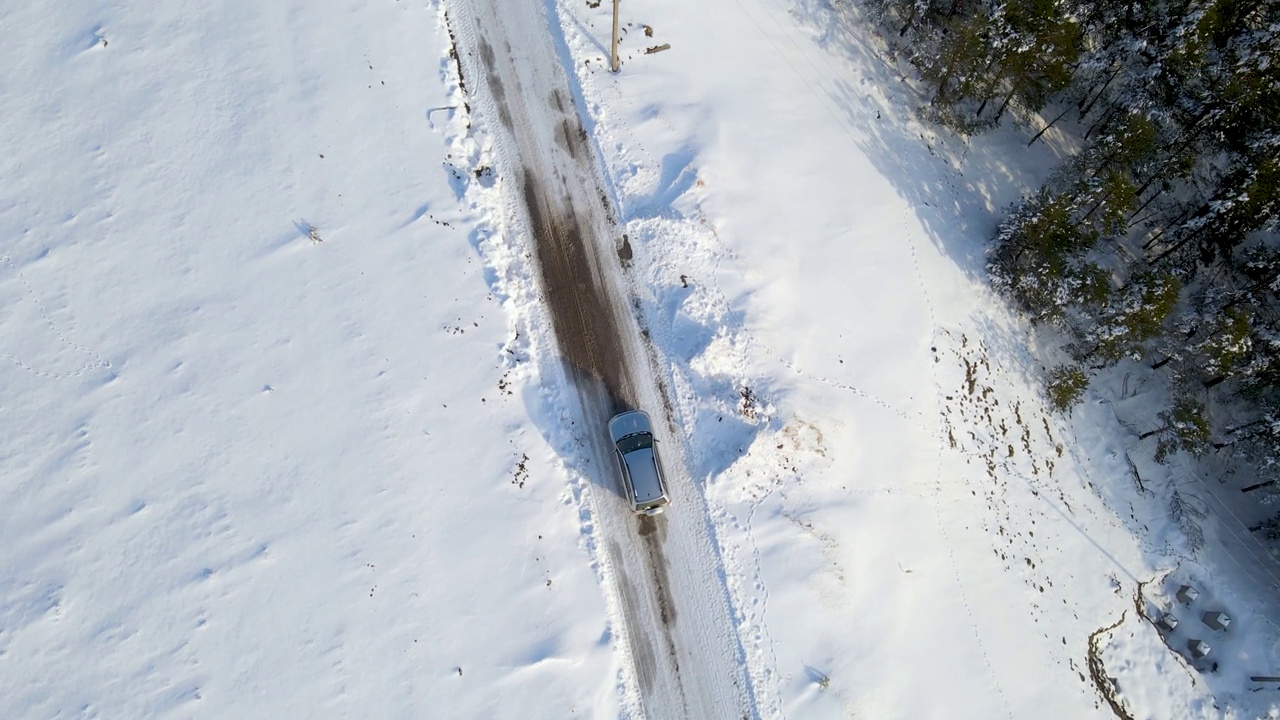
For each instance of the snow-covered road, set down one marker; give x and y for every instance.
(663, 577)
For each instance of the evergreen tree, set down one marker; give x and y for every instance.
(1128, 320)
(1038, 258)
(1184, 428)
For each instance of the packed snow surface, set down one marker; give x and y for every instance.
(288, 435)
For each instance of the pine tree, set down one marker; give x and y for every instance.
(1132, 316)
(1037, 261)
(1066, 384)
(1184, 428)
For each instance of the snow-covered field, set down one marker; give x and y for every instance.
(283, 436)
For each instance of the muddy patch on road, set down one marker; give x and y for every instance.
(641, 649)
(582, 313)
(496, 87)
(654, 532)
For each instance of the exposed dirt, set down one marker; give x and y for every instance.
(582, 310)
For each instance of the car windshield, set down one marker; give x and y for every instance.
(631, 443)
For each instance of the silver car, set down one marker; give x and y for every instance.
(637, 452)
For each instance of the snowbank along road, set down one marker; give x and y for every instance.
(663, 577)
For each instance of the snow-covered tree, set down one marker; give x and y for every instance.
(1184, 427)
(1130, 318)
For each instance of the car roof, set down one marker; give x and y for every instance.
(643, 469)
(629, 423)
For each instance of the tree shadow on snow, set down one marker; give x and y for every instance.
(958, 188)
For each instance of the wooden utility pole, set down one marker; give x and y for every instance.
(615, 35)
